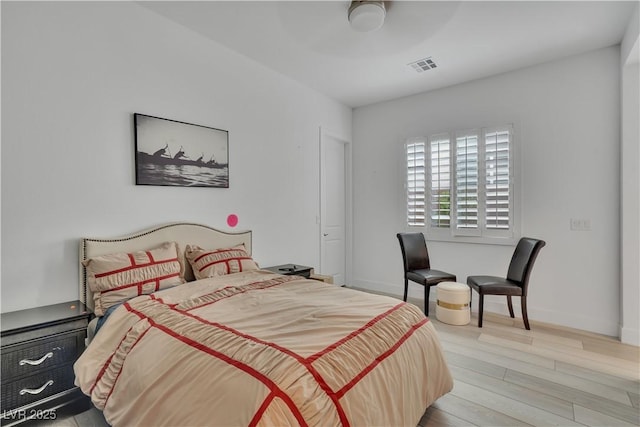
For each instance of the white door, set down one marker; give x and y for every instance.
(333, 207)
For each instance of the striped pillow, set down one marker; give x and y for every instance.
(118, 277)
(218, 262)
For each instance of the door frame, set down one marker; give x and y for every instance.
(325, 133)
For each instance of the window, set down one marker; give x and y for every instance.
(466, 184)
(416, 168)
(462, 182)
(440, 185)
(497, 149)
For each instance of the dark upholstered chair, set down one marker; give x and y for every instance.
(516, 282)
(417, 266)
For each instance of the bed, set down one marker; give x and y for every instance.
(226, 343)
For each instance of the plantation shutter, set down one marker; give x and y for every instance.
(416, 168)
(440, 188)
(466, 183)
(497, 179)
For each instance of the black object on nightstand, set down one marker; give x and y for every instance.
(291, 269)
(38, 349)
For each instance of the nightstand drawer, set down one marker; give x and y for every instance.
(27, 390)
(38, 349)
(29, 358)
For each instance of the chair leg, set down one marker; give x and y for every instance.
(406, 286)
(426, 300)
(480, 308)
(525, 317)
(510, 305)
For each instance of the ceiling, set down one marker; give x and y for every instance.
(311, 41)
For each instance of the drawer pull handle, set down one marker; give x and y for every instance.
(36, 362)
(36, 391)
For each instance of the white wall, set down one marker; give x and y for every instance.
(566, 117)
(73, 74)
(630, 183)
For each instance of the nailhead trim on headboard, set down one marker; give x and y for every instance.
(242, 237)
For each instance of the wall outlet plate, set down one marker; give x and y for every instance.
(580, 224)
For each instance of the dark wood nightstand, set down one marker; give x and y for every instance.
(38, 349)
(291, 269)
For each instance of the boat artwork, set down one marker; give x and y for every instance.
(161, 168)
(163, 157)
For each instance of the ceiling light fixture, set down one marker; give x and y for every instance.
(365, 16)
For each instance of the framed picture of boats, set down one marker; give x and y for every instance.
(173, 153)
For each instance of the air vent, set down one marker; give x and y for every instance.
(423, 64)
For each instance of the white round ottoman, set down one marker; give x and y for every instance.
(453, 303)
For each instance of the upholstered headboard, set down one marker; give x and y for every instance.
(180, 232)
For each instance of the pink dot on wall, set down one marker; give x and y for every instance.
(232, 220)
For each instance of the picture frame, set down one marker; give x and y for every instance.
(174, 153)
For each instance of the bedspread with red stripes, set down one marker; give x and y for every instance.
(264, 349)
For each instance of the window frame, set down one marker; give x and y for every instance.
(482, 234)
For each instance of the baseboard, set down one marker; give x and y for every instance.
(498, 305)
(379, 287)
(593, 324)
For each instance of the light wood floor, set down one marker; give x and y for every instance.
(505, 375)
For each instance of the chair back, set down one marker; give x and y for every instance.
(414, 251)
(522, 261)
